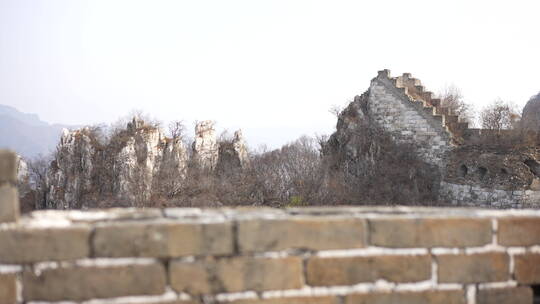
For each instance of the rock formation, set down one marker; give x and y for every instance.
(205, 146)
(240, 148)
(84, 170)
(232, 153)
(134, 164)
(530, 118)
(70, 174)
(22, 170)
(145, 154)
(211, 154)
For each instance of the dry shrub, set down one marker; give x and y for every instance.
(369, 167)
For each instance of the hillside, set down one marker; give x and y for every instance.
(26, 134)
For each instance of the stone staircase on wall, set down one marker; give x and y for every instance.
(417, 94)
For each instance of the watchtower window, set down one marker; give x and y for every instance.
(463, 170)
(482, 171)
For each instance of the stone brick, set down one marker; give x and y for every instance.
(9, 203)
(290, 300)
(518, 295)
(430, 232)
(8, 289)
(519, 231)
(84, 283)
(527, 268)
(236, 274)
(26, 245)
(314, 233)
(353, 270)
(162, 239)
(474, 268)
(8, 167)
(428, 297)
(164, 302)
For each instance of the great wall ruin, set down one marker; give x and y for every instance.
(470, 174)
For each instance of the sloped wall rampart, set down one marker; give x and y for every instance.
(408, 119)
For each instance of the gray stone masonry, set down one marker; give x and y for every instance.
(407, 120)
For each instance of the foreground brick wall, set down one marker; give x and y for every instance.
(259, 255)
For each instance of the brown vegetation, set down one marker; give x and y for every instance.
(308, 171)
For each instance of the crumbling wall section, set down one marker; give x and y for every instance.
(494, 177)
(477, 196)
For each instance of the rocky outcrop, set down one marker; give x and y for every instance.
(205, 146)
(240, 148)
(233, 153)
(136, 163)
(345, 146)
(530, 118)
(85, 171)
(70, 174)
(139, 160)
(22, 170)
(211, 154)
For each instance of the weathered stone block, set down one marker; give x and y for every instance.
(162, 239)
(236, 274)
(314, 233)
(9, 203)
(519, 231)
(165, 302)
(428, 297)
(8, 167)
(21, 245)
(84, 283)
(8, 289)
(440, 232)
(290, 300)
(527, 268)
(517, 295)
(353, 270)
(474, 268)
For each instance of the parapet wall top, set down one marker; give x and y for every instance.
(384, 73)
(8, 167)
(9, 196)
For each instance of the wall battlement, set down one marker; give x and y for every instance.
(417, 93)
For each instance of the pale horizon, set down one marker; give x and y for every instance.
(271, 68)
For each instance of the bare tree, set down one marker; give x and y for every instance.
(38, 168)
(177, 129)
(335, 110)
(452, 98)
(499, 115)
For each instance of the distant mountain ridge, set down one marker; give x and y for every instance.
(26, 133)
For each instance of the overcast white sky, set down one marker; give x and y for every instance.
(272, 67)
